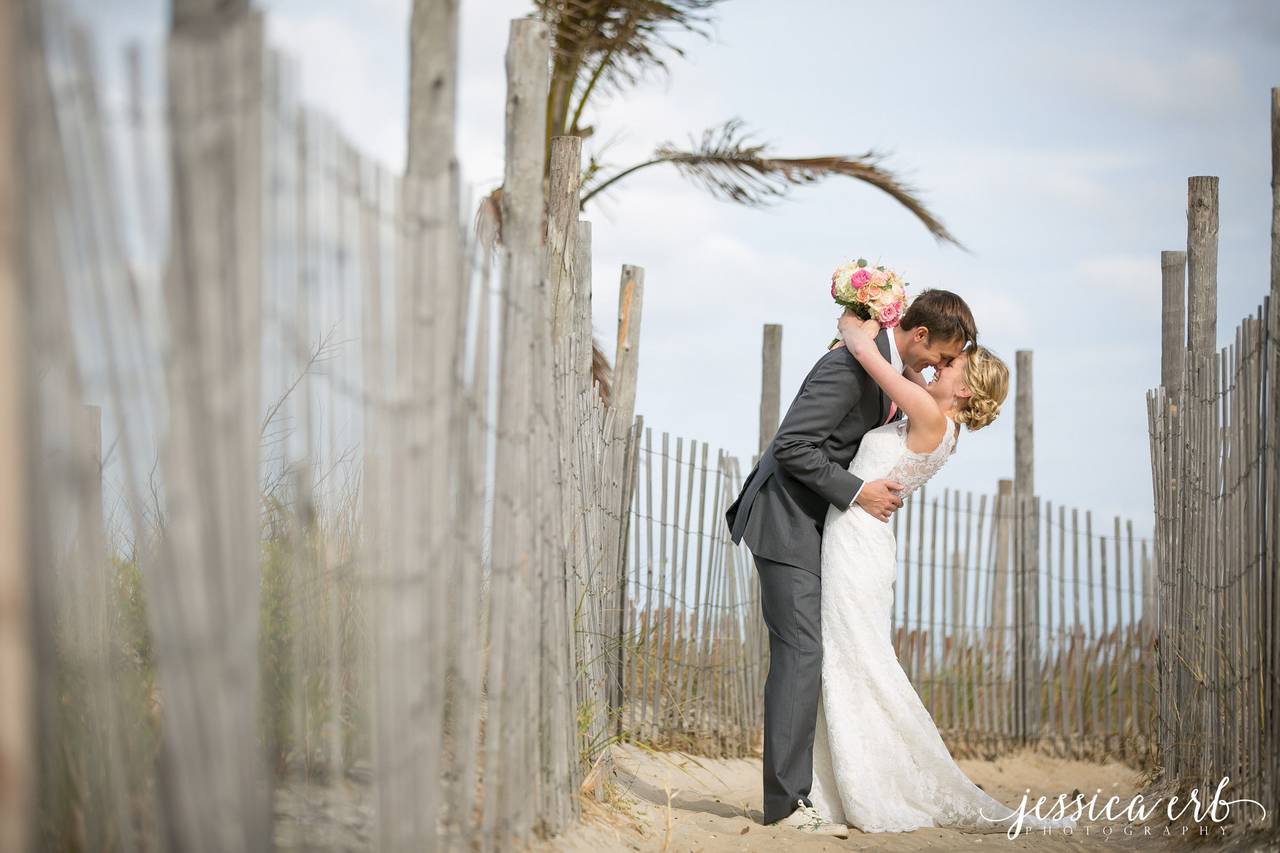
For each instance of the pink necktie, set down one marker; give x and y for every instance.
(893, 408)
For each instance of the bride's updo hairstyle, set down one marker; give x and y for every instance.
(988, 380)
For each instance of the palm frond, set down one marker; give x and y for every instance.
(488, 222)
(601, 372)
(608, 45)
(729, 165)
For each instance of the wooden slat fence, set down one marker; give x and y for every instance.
(356, 583)
(1006, 652)
(1214, 462)
(695, 652)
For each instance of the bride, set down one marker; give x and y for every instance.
(878, 761)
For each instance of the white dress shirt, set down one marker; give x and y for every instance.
(896, 360)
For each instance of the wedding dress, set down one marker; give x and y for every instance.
(879, 763)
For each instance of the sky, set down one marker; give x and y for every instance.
(1054, 140)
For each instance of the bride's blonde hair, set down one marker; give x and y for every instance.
(988, 380)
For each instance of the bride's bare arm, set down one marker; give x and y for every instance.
(911, 398)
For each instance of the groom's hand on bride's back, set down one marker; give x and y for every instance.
(880, 498)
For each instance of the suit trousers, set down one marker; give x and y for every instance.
(792, 603)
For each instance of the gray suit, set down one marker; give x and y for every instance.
(780, 512)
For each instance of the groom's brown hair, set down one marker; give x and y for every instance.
(944, 314)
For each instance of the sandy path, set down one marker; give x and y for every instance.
(715, 806)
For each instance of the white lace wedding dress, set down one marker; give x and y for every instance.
(879, 763)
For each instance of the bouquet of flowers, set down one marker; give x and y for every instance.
(872, 293)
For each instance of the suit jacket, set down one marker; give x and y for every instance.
(783, 504)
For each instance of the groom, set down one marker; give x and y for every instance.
(781, 511)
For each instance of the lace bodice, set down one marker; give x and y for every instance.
(883, 455)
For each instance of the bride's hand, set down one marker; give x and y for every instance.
(854, 330)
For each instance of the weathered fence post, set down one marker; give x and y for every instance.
(1275, 193)
(1001, 695)
(197, 17)
(1202, 264)
(433, 86)
(618, 697)
(17, 655)
(1004, 539)
(626, 367)
(1173, 340)
(582, 302)
(527, 739)
(1027, 546)
(200, 605)
(1023, 429)
(1270, 542)
(1197, 467)
(590, 464)
(562, 231)
(418, 605)
(626, 361)
(1173, 343)
(770, 384)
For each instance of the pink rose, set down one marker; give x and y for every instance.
(891, 314)
(833, 290)
(859, 278)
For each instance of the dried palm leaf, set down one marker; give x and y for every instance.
(601, 373)
(732, 167)
(608, 45)
(488, 222)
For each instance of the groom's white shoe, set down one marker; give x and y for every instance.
(807, 820)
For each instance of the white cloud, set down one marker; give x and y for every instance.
(1047, 176)
(342, 77)
(1002, 315)
(393, 12)
(1201, 82)
(1128, 276)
